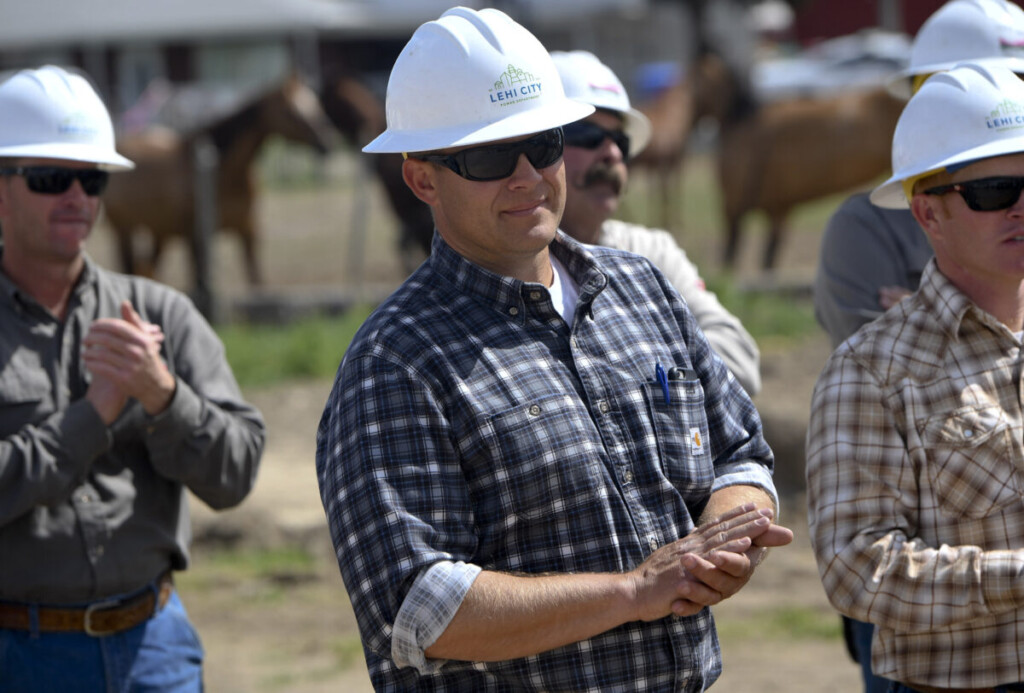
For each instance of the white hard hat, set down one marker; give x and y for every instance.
(587, 80)
(969, 113)
(471, 77)
(53, 113)
(985, 32)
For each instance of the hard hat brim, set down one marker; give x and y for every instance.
(524, 123)
(102, 157)
(638, 127)
(890, 194)
(898, 84)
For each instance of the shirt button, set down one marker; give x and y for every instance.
(603, 407)
(84, 498)
(653, 543)
(97, 552)
(535, 295)
(628, 476)
(513, 311)
(534, 410)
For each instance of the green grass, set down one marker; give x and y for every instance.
(782, 623)
(770, 318)
(310, 348)
(260, 563)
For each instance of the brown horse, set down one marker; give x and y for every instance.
(359, 116)
(159, 193)
(672, 115)
(777, 155)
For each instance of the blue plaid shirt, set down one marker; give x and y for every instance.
(471, 428)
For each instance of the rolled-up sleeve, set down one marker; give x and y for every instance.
(427, 610)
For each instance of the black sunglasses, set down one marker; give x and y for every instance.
(590, 136)
(54, 180)
(985, 194)
(497, 161)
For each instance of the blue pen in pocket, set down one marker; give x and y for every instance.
(662, 378)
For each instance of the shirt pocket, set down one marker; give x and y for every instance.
(24, 393)
(681, 432)
(970, 461)
(547, 463)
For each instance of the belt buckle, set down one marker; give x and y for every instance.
(92, 609)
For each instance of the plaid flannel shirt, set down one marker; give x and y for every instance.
(470, 428)
(914, 462)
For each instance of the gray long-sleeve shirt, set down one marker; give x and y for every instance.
(88, 511)
(863, 249)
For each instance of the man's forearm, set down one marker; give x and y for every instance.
(506, 616)
(730, 497)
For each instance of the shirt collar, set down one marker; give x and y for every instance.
(13, 294)
(950, 306)
(505, 293)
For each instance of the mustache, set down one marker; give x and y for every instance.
(603, 174)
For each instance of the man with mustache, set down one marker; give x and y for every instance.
(596, 151)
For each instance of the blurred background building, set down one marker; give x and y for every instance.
(126, 45)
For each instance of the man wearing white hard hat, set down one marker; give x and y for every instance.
(536, 474)
(115, 401)
(597, 149)
(914, 449)
(871, 257)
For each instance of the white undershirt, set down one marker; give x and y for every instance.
(564, 291)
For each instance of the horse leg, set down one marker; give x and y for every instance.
(252, 265)
(775, 233)
(665, 192)
(126, 249)
(732, 242)
(148, 268)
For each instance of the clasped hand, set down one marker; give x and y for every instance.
(123, 356)
(708, 565)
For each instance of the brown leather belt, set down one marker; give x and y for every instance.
(98, 619)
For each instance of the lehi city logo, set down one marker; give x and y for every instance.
(77, 126)
(515, 86)
(1007, 115)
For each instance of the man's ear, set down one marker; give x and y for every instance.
(421, 177)
(928, 213)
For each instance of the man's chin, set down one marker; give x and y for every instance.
(605, 199)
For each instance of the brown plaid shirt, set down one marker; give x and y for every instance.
(914, 481)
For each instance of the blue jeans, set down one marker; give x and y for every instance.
(860, 634)
(161, 655)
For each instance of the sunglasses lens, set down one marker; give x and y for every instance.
(498, 161)
(484, 163)
(590, 136)
(48, 180)
(994, 195)
(544, 149)
(93, 182)
(585, 135)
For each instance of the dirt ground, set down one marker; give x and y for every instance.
(287, 625)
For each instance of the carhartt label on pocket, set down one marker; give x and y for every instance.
(696, 442)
